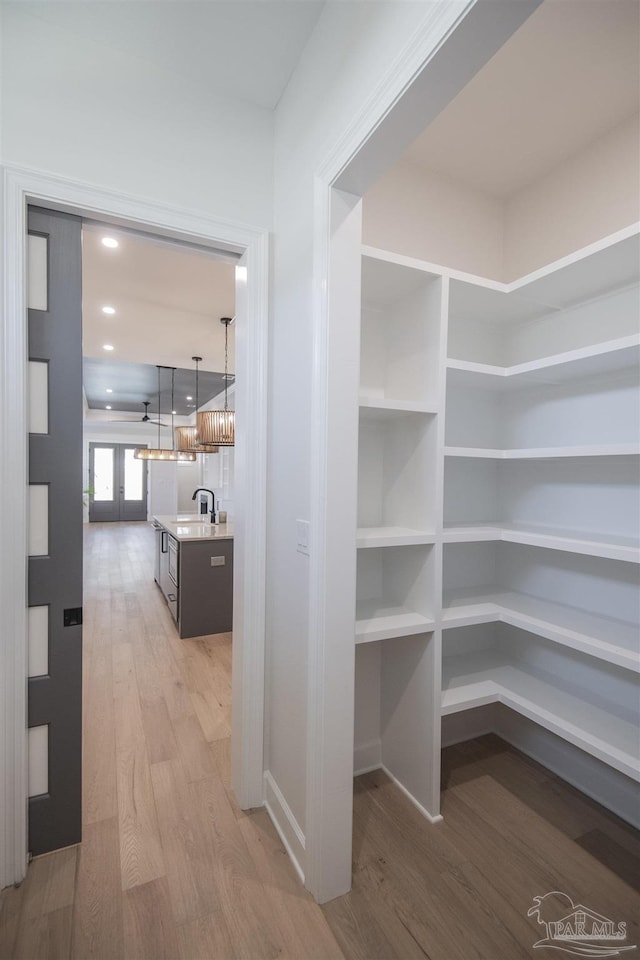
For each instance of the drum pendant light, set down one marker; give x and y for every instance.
(163, 453)
(186, 438)
(218, 427)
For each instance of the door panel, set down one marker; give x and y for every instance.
(103, 480)
(119, 483)
(55, 530)
(133, 485)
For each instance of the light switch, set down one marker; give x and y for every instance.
(302, 537)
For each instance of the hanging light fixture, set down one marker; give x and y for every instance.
(163, 453)
(218, 427)
(186, 438)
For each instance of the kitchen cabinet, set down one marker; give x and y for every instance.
(196, 574)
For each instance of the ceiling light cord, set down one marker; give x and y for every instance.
(159, 415)
(173, 379)
(226, 321)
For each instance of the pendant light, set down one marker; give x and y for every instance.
(186, 438)
(163, 453)
(218, 427)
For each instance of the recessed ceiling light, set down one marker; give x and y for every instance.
(109, 390)
(108, 407)
(107, 346)
(189, 398)
(174, 412)
(110, 242)
(109, 310)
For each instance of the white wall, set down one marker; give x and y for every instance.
(188, 477)
(590, 196)
(351, 48)
(87, 110)
(424, 215)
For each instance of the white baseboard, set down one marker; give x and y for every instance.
(367, 757)
(432, 818)
(285, 823)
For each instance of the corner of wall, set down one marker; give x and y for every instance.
(590, 195)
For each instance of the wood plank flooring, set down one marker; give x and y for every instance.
(461, 889)
(170, 867)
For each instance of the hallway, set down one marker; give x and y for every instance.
(169, 866)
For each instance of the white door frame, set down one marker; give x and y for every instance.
(453, 41)
(20, 186)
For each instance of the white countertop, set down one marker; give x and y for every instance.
(189, 526)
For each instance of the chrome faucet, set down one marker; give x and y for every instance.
(211, 505)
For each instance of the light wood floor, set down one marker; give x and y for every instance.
(170, 867)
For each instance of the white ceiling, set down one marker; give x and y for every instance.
(168, 301)
(242, 48)
(553, 88)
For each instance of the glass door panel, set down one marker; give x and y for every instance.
(133, 476)
(103, 474)
(133, 485)
(118, 482)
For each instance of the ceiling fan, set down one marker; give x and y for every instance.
(144, 419)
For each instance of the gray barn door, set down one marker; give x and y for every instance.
(55, 530)
(118, 482)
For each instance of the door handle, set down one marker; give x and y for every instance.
(163, 541)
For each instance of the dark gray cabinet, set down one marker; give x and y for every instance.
(196, 579)
(206, 587)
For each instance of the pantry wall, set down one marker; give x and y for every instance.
(498, 526)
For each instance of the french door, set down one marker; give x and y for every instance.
(117, 483)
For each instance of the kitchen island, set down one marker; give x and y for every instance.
(194, 570)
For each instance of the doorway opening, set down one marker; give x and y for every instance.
(156, 306)
(248, 248)
(117, 483)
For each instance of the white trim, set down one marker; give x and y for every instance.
(13, 544)
(20, 185)
(513, 286)
(425, 813)
(250, 511)
(285, 823)
(367, 757)
(489, 27)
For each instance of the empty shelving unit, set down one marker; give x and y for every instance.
(499, 514)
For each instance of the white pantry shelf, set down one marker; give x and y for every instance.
(474, 680)
(546, 453)
(593, 545)
(368, 537)
(614, 641)
(381, 407)
(612, 356)
(608, 264)
(376, 621)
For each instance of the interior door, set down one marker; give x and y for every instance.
(55, 530)
(118, 483)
